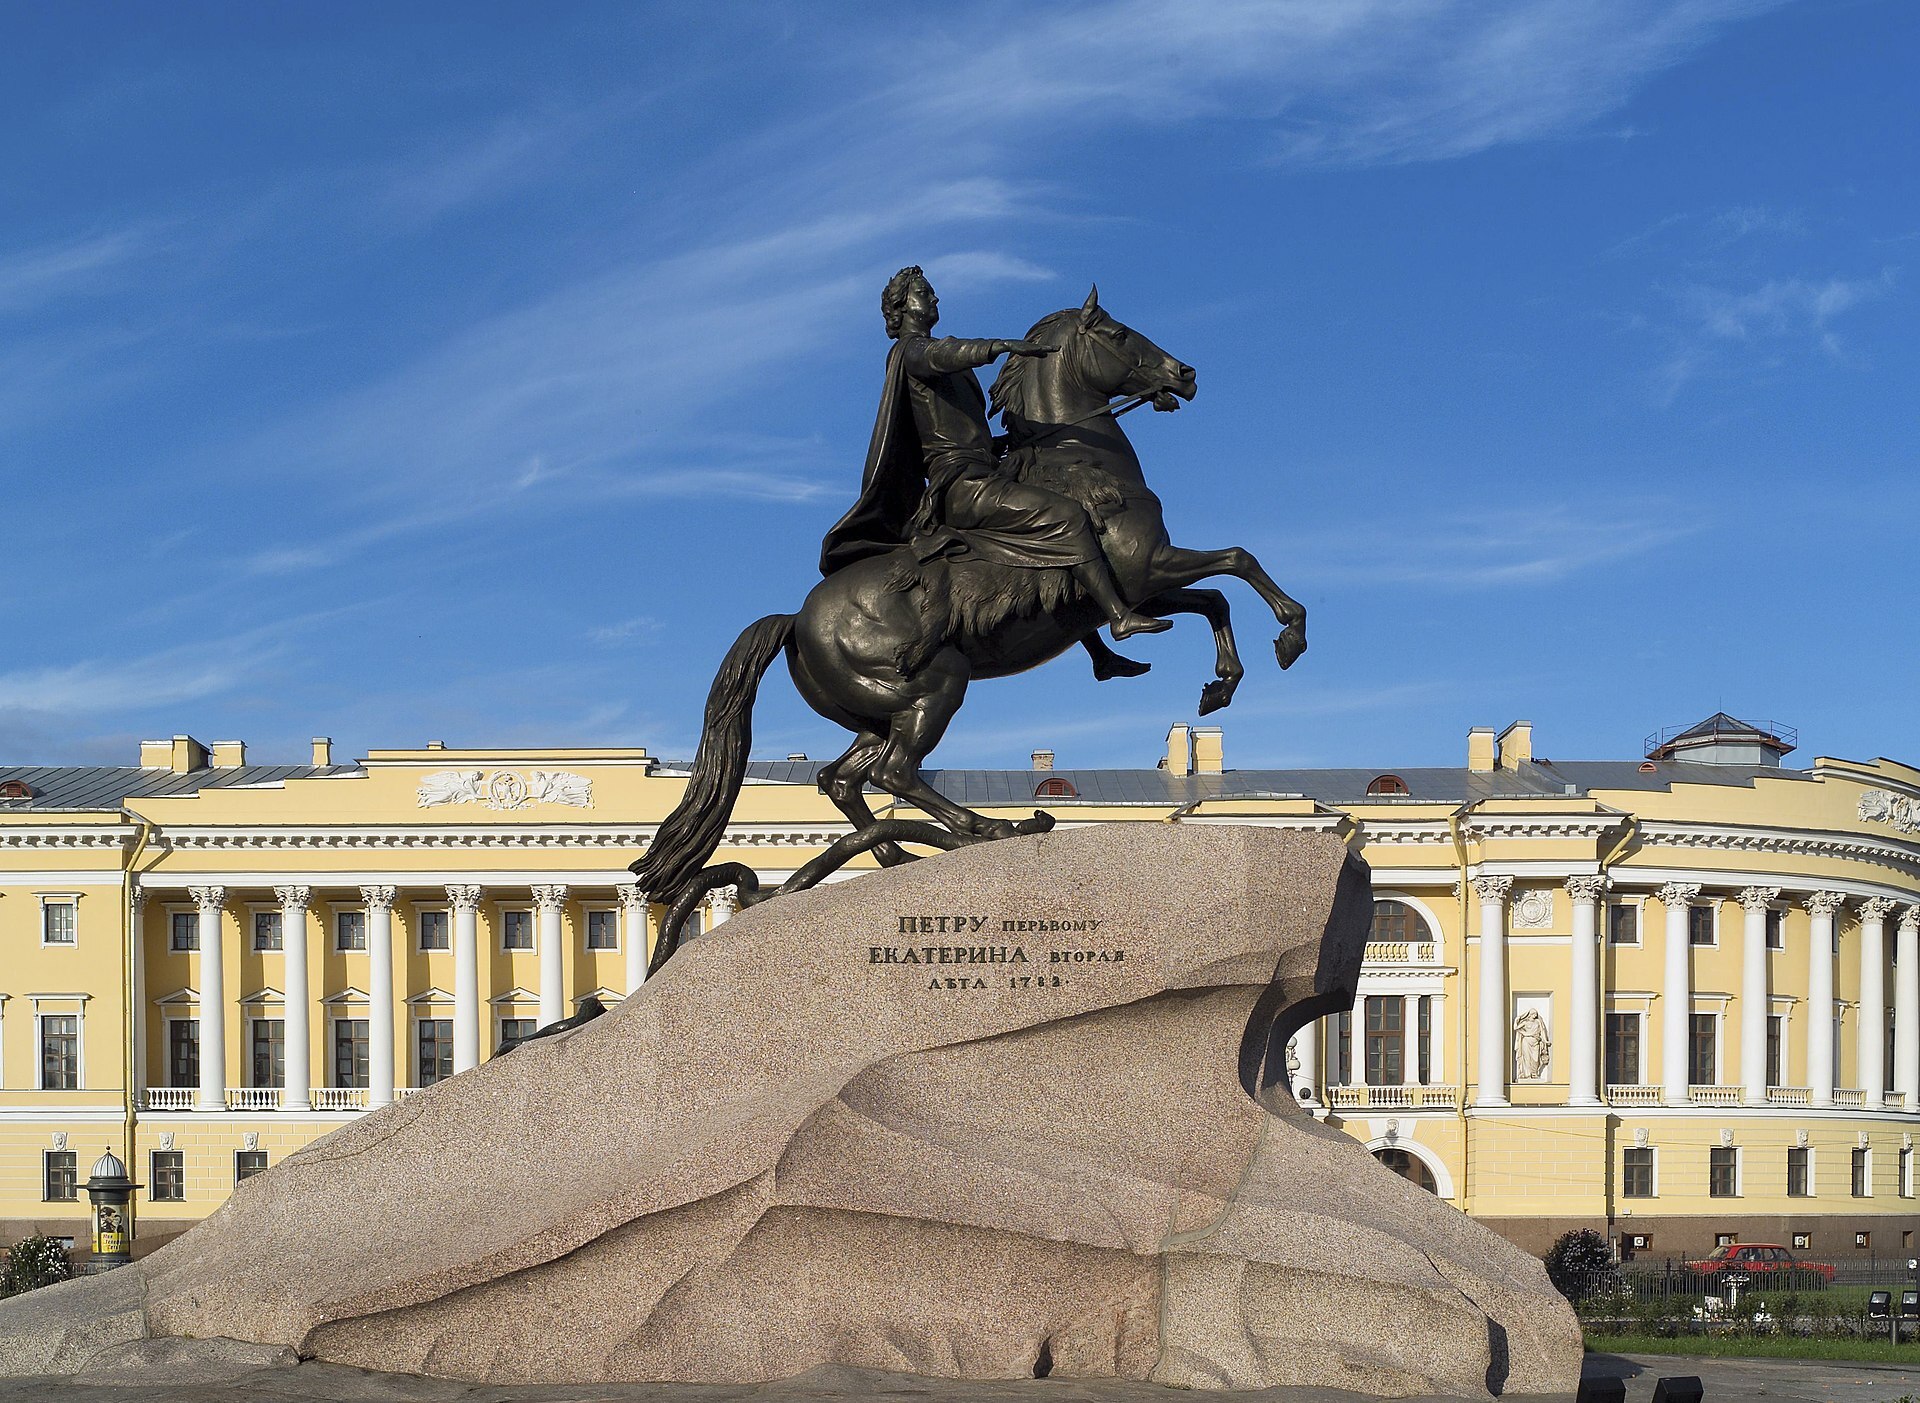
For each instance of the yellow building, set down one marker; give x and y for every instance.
(1675, 998)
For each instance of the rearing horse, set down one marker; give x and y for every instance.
(887, 645)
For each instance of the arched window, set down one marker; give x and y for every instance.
(1408, 1166)
(1387, 784)
(1055, 788)
(1395, 920)
(15, 789)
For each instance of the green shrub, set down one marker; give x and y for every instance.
(1575, 1259)
(34, 1262)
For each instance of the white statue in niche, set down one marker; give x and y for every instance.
(1532, 1047)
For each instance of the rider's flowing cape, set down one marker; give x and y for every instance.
(892, 486)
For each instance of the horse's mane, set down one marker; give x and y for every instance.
(1014, 387)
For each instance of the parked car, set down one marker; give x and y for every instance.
(1768, 1264)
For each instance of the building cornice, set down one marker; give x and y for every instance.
(1818, 843)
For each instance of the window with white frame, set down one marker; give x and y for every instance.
(1703, 1049)
(59, 920)
(1776, 1049)
(1636, 1172)
(1623, 923)
(1776, 929)
(247, 1163)
(59, 1052)
(60, 1175)
(514, 1031)
(516, 929)
(1800, 1171)
(1701, 924)
(435, 930)
(1906, 1173)
(183, 930)
(1723, 1171)
(1860, 1179)
(168, 1177)
(349, 930)
(603, 930)
(183, 1052)
(269, 931)
(268, 1059)
(1622, 1048)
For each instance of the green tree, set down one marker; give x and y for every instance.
(33, 1262)
(1575, 1258)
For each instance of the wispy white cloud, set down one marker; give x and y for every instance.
(625, 631)
(32, 277)
(1720, 330)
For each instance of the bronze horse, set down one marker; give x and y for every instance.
(887, 645)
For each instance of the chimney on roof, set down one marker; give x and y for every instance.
(796, 754)
(185, 755)
(1179, 757)
(436, 745)
(1043, 759)
(322, 751)
(229, 754)
(1514, 745)
(1481, 750)
(156, 754)
(1209, 750)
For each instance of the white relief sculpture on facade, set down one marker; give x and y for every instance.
(1532, 1039)
(505, 790)
(1533, 909)
(1884, 806)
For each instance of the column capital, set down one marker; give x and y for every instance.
(466, 898)
(1679, 893)
(208, 898)
(1758, 898)
(1492, 888)
(1910, 918)
(378, 898)
(293, 898)
(1587, 888)
(1877, 908)
(633, 899)
(1825, 903)
(724, 900)
(550, 897)
(140, 895)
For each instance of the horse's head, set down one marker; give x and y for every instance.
(1099, 358)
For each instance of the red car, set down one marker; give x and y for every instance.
(1760, 1259)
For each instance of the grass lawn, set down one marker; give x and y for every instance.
(1881, 1351)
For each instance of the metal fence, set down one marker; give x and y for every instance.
(1669, 1298)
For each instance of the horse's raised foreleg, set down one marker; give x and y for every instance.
(1211, 605)
(844, 782)
(916, 729)
(1176, 568)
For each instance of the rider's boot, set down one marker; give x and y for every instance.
(1097, 580)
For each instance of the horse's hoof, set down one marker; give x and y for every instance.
(1215, 695)
(1041, 822)
(1291, 643)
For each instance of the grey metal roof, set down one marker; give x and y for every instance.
(108, 786)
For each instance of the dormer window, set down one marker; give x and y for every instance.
(1383, 785)
(15, 789)
(1055, 788)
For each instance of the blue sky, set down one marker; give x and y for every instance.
(475, 372)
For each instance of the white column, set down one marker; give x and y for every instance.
(1306, 1046)
(1583, 1024)
(1491, 1056)
(1676, 997)
(466, 976)
(1437, 1041)
(1906, 1009)
(633, 936)
(1357, 1042)
(297, 1034)
(379, 995)
(1823, 906)
(1754, 997)
(722, 902)
(1870, 1052)
(212, 902)
(551, 902)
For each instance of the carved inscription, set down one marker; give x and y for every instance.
(997, 953)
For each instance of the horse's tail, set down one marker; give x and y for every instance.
(693, 830)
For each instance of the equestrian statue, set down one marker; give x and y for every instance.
(968, 555)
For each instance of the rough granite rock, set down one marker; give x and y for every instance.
(850, 1128)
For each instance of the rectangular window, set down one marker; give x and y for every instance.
(1860, 1180)
(1636, 1172)
(1776, 930)
(267, 931)
(168, 1177)
(269, 1052)
(60, 1052)
(1386, 1040)
(59, 922)
(62, 1177)
(516, 930)
(1700, 925)
(1906, 1173)
(247, 1163)
(349, 1052)
(434, 1044)
(1799, 1172)
(433, 931)
(1623, 1049)
(1425, 1034)
(1723, 1171)
(1623, 923)
(350, 930)
(514, 1031)
(1343, 1047)
(1702, 1068)
(183, 1052)
(1776, 1050)
(183, 930)
(603, 930)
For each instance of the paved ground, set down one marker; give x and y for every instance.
(186, 1381)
